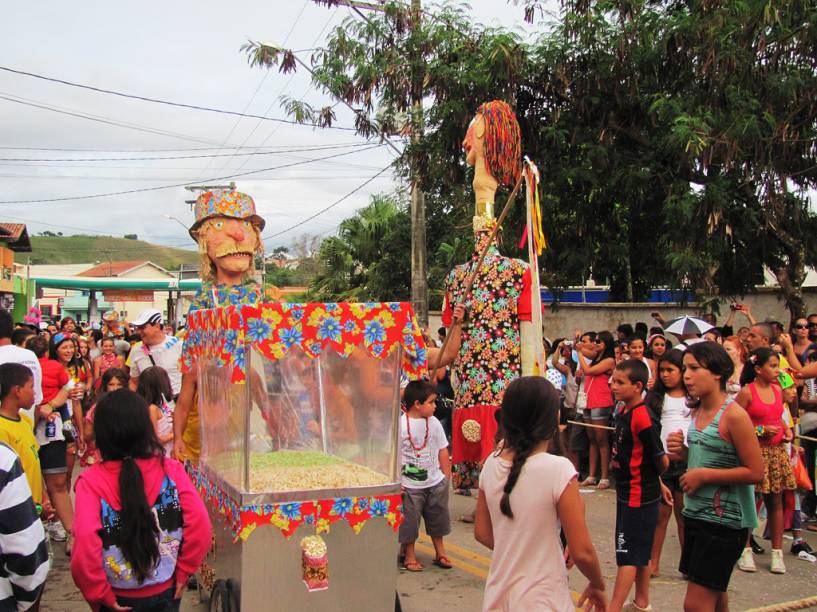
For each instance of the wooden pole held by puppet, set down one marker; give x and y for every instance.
(469, 283)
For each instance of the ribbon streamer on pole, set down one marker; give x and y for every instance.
(534, 237)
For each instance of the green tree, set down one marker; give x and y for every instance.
(368, 258)
(381, 62)
(683, 130)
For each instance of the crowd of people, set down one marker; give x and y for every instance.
(706, 427)
(711, 425)
(102, 398)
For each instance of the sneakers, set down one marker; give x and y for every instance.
(778, 567)
(746, 562)
(801, 546)
(56, 531)
(756, 548)
(631, 606)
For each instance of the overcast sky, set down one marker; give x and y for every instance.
(181, 51)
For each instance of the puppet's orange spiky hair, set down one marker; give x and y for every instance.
(503, 147)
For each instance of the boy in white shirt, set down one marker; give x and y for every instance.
(425, 475)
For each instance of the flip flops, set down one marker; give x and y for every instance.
(443, 562)
(413, 566)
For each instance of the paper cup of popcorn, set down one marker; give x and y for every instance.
(471, 431)
(315, 563)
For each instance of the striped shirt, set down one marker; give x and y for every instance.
(729, 505)
(23, 552)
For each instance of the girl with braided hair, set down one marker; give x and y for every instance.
(525, 494)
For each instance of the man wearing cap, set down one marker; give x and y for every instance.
(228, 232)
(156, 348)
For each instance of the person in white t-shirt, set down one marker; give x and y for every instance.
(15, 354)
(668, 401)
(525, 496)
(156, 348)
(425, 474)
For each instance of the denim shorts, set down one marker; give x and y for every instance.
(599, 414)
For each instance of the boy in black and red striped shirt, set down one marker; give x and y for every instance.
(637, 460)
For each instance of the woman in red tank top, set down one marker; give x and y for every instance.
(596, 386)
(762, 399)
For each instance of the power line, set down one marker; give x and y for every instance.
(6, 148)
(75, 177)
(332, 205)
(160, 101)
(283, 88)
(175, 185)
(104, 120)
(100, 159)
(63, 226)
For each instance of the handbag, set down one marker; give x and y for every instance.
(581, 396)
(801, 476)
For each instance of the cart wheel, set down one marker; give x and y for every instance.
(235, 595)
(219, 597)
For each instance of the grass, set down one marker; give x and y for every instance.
(92, 249)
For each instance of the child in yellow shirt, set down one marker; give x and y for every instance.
(16, 429)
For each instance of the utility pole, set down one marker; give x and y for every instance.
(419, 265)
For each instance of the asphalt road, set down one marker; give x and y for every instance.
(460, 588)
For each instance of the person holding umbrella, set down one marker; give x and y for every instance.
(688, 330)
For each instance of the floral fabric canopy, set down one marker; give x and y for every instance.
(274, 328)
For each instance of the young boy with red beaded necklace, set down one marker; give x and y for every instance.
(425, 473)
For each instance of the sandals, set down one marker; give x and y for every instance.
(604, 483)
(590, 481)
(412, 566)
(443, 562)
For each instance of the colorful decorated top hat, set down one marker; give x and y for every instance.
(223, 203)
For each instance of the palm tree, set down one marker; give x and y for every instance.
(350, 258)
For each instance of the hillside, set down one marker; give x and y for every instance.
(90, 249)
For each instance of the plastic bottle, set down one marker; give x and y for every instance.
(50, 429)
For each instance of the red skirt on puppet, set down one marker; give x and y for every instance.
(467, 450)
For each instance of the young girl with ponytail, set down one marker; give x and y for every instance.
(762, 399)
(525, 493)
(141, 529)
(668, 401)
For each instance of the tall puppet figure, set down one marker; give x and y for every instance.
(228, 232)
(492, 350)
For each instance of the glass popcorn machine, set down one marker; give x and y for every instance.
(299, 407)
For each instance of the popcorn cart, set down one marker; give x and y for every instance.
(299, 407)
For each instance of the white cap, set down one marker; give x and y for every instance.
(43, 325)
(151, 315)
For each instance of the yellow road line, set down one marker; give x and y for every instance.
(460, 551)
(467, 567)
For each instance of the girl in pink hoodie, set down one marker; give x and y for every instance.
(140, 527)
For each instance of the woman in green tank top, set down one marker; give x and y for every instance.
(725, 463)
